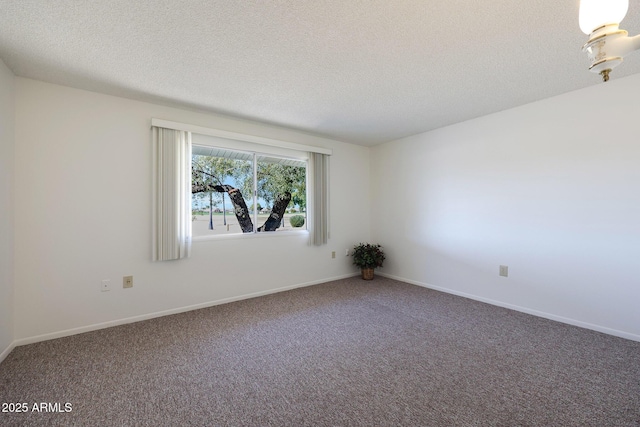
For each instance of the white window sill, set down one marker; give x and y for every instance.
(261, 235)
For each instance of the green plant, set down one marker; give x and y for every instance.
(366, 255)
(296, 221)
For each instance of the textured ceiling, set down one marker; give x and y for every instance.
(360, 71)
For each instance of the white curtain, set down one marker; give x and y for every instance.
(171, 194)
(319, 218)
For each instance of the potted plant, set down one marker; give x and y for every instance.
(368, 257)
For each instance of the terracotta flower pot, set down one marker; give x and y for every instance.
(367, 273)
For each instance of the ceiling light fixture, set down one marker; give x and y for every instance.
(607, 44)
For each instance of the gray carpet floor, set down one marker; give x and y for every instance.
(344, 353)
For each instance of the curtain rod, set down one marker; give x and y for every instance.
(238, 136)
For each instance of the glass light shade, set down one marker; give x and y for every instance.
(595, 13)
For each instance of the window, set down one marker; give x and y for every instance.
(211, 182)
(244, 192)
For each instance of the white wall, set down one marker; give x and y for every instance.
(550, 189)
(83, 203)
(6, 208)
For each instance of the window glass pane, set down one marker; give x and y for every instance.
(229, 198)
(282, 193)
(220, 202)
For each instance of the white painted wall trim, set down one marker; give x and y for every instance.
(238, 136)
(542, 314)
(98, 326)
(6, 351)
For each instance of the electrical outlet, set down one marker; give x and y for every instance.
(346, 252)
(105, 285)
(333, 254)
(504, 271)
(127, 282)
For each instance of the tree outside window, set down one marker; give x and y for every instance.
(231, 198)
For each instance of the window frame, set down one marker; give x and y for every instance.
(312, 181)
(254, 197)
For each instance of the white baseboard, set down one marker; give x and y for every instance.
(97, 326)
(526, 310)
(6, 351)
